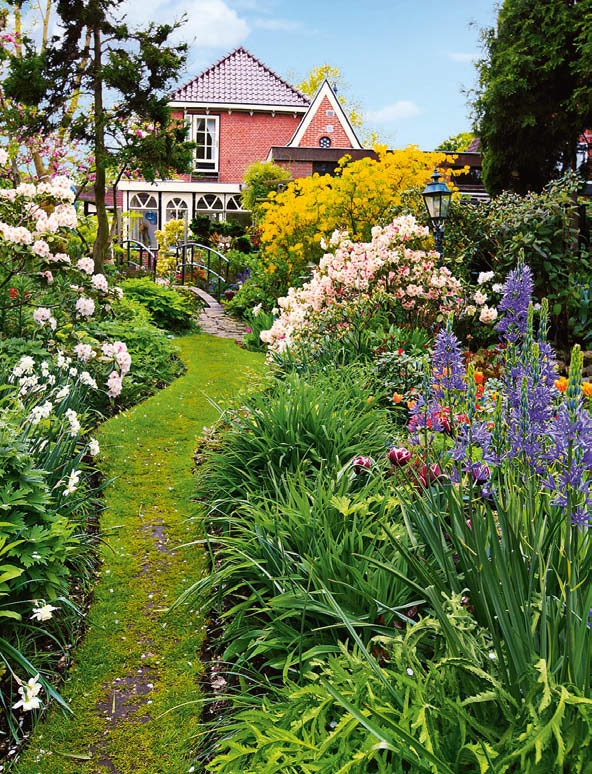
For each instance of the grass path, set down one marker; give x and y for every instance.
(134, 665)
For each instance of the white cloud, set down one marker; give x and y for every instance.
(404, 108)
(461, 56)
(285, 25)
(209, 23)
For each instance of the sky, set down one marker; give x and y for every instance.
(406, 61)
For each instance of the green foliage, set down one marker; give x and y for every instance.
(535, 95)
(262, 321)
(544, 228)
(154, 359)
(456, 142)
(34, 539)
(260, 178)
(168, 309)
(299, 427)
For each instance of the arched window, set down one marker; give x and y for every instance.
(233, 202)
(325, 142)
(211, 205)
(176, 209)
(144, 218)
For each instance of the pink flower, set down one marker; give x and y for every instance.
(399, 456)
(360, 463)
(114, 384)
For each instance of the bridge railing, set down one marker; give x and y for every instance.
(136, 255)
(194, 263)
(210, 266)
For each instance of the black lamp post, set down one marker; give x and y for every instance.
(436, 197)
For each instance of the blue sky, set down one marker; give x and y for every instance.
(406, 61)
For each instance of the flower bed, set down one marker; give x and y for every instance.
(406, 600)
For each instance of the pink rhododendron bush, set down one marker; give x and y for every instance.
(395, 274)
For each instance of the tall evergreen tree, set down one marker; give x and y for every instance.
(534, 98)
(122, 74)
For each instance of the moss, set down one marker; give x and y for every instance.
(134, 685)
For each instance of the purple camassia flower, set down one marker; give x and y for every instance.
(471, 436)
(449, 371)
(518, 289)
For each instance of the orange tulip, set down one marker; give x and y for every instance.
(587, 389)
(397, 397)
(410, 404)
(561, 384)
(479, 378)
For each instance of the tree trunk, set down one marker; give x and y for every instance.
(102, 239)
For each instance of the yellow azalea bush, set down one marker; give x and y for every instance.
(172, 234)
(362, 194)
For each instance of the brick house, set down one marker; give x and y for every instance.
(240, 111)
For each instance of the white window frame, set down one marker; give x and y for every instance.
(195, 117)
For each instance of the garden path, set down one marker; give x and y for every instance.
(134, 682)
(213, 319)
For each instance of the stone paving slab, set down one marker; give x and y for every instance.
(215, 321)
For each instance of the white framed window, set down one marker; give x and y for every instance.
(144, 223)
(205, 134)
(176, 209)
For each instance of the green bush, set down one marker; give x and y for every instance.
(541, 227)
(299, 426)
(167, 308)
(154, 359)
(34, 538)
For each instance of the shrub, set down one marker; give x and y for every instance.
(393, 272)
(260, 179)
(542, 228)
(153, 354)
(358, 197)
(167, 308)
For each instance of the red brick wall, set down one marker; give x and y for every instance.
(297, 168)
(315, 131)
(246, 138)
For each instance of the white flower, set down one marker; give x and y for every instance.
(93, 447)
(87, 379)
(85, 307)
(73, 372)
(84, 352)
(73, 481)
(497, 288)
(99, 282)
(26, 189)
(124, 361)
(63, 393)
(3, 158)
(108, 349)
(40, 412)
(484, 277)
(488, 314)
(41, 315)
(86, 264)
(470, 310)
(63, 361)
(29, 695)
(72, 418)
(480, 298)
(256, 310)
(43, 613)
(41, 248)
(118, 292)
(25, 366)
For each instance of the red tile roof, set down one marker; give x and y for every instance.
(240, 78)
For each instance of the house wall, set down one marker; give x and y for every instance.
(245, 138)
(297, 168)
(316, 129)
